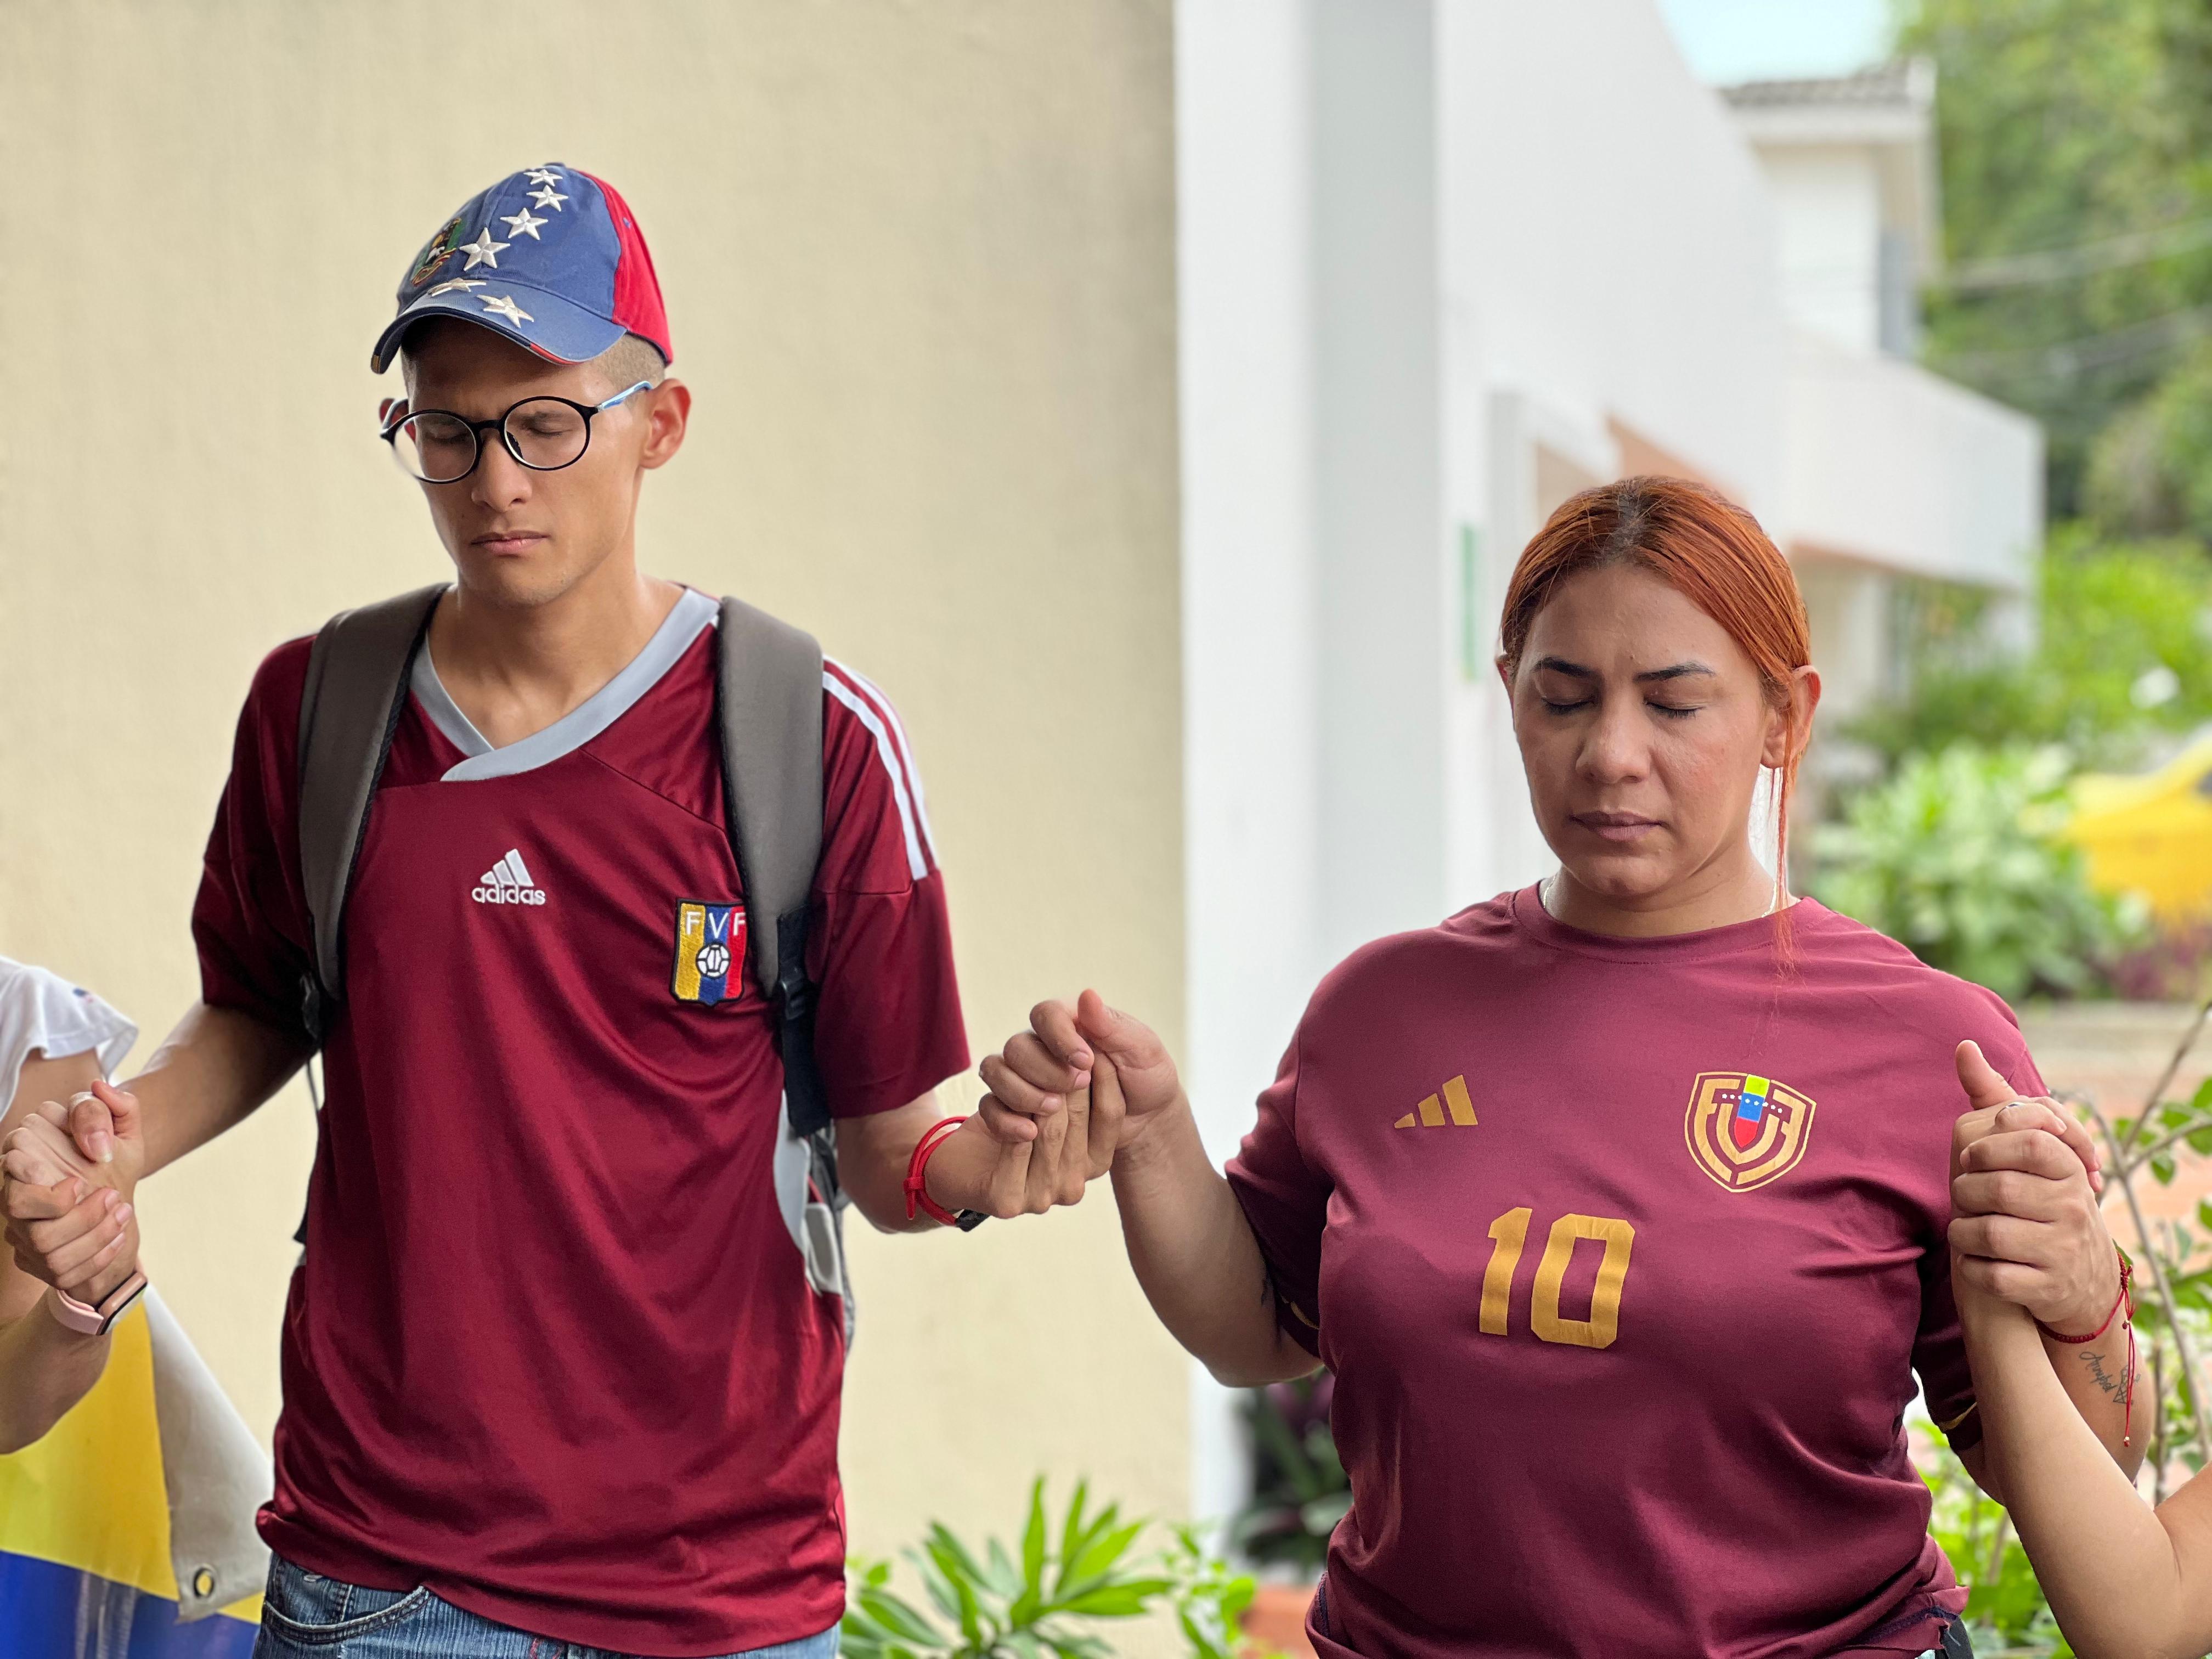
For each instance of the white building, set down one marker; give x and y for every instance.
(1892, 470)
(1443, 264)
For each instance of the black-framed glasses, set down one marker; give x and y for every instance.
(543, 433)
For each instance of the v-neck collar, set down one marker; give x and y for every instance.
(693, 615)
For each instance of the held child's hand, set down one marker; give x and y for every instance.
(69, 1220)
(2027, 1226)
(1988, 1095)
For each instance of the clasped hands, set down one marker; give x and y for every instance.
(67, 1174)
(1066, 1096)
(2026, 1225)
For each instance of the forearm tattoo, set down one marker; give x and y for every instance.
(2110, 1385)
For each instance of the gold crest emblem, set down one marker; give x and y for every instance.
(435, 252)
(1746, 1130)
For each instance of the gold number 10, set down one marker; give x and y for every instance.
(1511, 1231)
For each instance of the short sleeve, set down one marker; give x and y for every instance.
(1285, 1201)
(42, 1013)
(249, 921)
(887, 1028)
(1939, 1346)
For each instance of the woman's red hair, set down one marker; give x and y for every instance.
(1709, 550)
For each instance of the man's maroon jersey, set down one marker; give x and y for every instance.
(552, 1350)
(1624, 1251)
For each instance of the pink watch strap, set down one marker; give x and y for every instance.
(88, 1320)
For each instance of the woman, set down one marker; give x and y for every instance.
(2126, 1582)
(1616, 1204)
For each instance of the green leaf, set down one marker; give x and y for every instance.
(1000, 1574)
(1098, 1558)
(933, 1581)
(1124, 1601)
(960, 1576)
(2162, 1167)
(1071, 1533)
(1033, 1541)
(1202, 1644)
(897, 1616)
(1323, 1513)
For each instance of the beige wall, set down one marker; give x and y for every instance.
(919, 266)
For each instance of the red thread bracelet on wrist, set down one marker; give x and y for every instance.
(2122, 1300)
(917, 1167)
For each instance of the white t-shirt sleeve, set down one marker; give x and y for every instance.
(42, 1013)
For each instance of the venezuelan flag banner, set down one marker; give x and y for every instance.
(127, 1532)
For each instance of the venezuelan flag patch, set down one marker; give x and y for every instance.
(710, 952)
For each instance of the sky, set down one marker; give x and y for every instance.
(1731, 41)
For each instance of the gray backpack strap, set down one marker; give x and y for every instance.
(357, 687)
(770, 696)
(771, 720)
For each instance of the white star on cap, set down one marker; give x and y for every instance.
(506, 307)
(542, 176)
(483, 251)
(522, 224)
(546, 197)
(464, 284)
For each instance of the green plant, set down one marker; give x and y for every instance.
(1299, 1489)
(2062, 124)
(1956, 857)
(2123, 655)
(2173, 1277)
(1067, 1579)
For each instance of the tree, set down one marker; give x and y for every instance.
(2067, 125)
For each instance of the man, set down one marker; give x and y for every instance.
(553, 1369)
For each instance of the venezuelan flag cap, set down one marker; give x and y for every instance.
(550, 256)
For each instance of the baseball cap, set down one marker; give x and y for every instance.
(549, 257)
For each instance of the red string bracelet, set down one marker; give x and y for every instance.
(2122, 1300)
(917, 1193)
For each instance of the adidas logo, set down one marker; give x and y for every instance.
(1430, 1114)
(508, 882)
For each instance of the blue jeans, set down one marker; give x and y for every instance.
(305, 1615)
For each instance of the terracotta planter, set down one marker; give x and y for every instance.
(1276, 1619)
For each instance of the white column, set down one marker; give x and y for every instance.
(1386, 603)
(1250, 589)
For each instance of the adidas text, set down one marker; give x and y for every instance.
(507, 881)
(507, 895)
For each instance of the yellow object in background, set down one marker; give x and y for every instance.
(2151, 834)
(149, 1477)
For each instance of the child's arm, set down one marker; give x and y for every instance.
(45, 1369)
(2123, 1581)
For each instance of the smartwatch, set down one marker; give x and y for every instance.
(86, 1320)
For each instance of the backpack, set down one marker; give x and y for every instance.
(769, 702)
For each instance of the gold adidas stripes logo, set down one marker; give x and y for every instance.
(1430, 1114)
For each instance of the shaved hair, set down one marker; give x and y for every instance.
(627, 361)
(630, 360)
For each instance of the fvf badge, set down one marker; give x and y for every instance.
(1746, 1130)
(710, 952)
